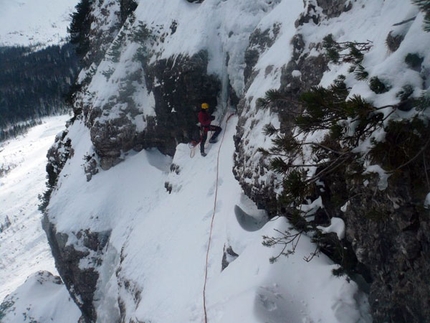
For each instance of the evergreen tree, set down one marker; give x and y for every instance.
(33, 85)
(80, 27)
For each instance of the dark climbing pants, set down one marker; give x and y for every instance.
(205, 131)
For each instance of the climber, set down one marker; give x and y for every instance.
(205, 124)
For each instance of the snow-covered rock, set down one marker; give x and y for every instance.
(42, 298)
(130, 250)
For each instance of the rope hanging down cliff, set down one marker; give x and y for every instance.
(212, 220)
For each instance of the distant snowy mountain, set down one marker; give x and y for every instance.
(30, 23)
(25, 257)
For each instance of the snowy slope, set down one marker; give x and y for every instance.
(33, 22)
(163, 244)
(159, 243)
(42, 298)
(24, 248)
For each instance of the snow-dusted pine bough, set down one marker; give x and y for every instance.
(334, 138)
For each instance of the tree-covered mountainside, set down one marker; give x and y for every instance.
(34, 84)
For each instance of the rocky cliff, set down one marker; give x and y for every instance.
(141, 90)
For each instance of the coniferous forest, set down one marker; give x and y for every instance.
(34, 84)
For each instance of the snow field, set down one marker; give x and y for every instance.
(24, 249)
(29, 23)
(23, 246)
(159, 241)
(42, 298)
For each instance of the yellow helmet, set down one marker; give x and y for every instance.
(205, 106)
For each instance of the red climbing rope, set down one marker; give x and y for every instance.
(212, 221)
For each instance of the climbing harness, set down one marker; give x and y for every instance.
(212, 220)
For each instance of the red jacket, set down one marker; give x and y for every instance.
(205, 118)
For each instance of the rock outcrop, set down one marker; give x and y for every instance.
(179, 85)
(387, 229)
(80, 280)
(389, 232)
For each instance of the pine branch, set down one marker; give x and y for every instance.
(415, 157)
(405, 21)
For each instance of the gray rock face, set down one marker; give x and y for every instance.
(389, 233)
(334, 8)
(387, 229)
(57, 156)
(315, 10)
(81, 282)
(179, 85)
(182, 85)
(311, 70)
(250, 173)
(111, 138)
(258, 42)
